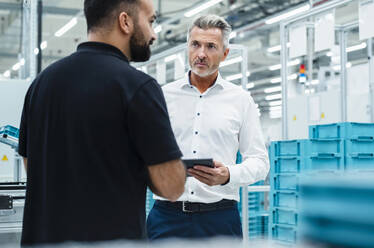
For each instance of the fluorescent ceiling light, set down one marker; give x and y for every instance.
(273, 89)
(279, 79)
(170, 58)
(275, 103)
(356, 47)
(36, 51)
(275, 108)
(273, 97)
(250, 86)
(6, 74)
(158, 29)
(66, 27)
(231, 61)
(232, 35)
(201, 8)
(276, 48)
(43, 45)
(288, 14)
(329, 54)
(236, 76)
(16, 66)
(279, 66)
(314, 82)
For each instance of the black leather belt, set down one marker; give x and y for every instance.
(194, 207)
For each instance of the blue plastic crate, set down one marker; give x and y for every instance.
(285, 199)
(342, 130)
(355, 147)
(325, 163)
(333, 148)
(287, 165)
(285, 182)
(360, 162)
(285, 216)
(289, 148)
(284, 233)
(9, 131)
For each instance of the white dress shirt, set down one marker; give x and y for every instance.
(216, 124)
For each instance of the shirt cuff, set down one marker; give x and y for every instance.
(234, 171)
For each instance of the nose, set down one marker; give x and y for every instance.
(201, 53)
(153, 36)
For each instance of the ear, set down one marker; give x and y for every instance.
(125, 22)
(225, 53)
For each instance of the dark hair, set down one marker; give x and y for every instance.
(101, 12)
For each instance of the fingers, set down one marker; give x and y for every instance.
(205, 169)
(193, 172)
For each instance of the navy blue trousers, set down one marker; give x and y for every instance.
(168, 222)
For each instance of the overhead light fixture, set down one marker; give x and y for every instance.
(66, 27)
(36, 51)
(43, 45)
(231, 61)
(314, 82)
(288, 14)
(232, 35)
(158, 29)
(279, 79)
(250, 86)
(16, 66)
(273, 97)
(237, 76)
(276, 48)
(275, 103)
(275, 108)
(329, 54)
(22, 61)
(6, 73)
(201, 8)
(279, 66)
(170, 58)
(273, 89)
(356, 47)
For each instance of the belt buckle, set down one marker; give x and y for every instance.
(184, 208)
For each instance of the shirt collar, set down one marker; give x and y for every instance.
(186, 81)
(102, 48)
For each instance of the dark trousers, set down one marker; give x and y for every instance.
(168, 222)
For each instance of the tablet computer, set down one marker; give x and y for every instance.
(190, 163)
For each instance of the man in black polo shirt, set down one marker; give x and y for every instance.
(94, 130)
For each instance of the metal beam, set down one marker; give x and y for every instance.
(46, 9)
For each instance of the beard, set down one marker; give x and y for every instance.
(205, 73)
(139, 47)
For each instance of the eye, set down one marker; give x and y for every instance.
(211, 46)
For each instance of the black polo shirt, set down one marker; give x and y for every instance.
(91, 124)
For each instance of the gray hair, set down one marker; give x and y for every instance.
(212, 21)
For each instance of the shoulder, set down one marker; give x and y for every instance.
(173, 86)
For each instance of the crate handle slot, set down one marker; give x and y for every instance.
(363, 138)
(325, 155)
(363, 155)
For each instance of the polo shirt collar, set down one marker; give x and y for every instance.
(218, 83)
(102, 48)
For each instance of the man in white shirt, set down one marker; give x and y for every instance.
(211, 118)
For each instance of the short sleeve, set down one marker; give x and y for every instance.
(149, 126)
(22, 139)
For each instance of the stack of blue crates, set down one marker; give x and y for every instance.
(10, 131)
(333, 148)
(338, 211)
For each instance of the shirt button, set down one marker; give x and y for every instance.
(192, 192)
(198, 114)
(196, 133)
(194, 151)
(201, 96)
